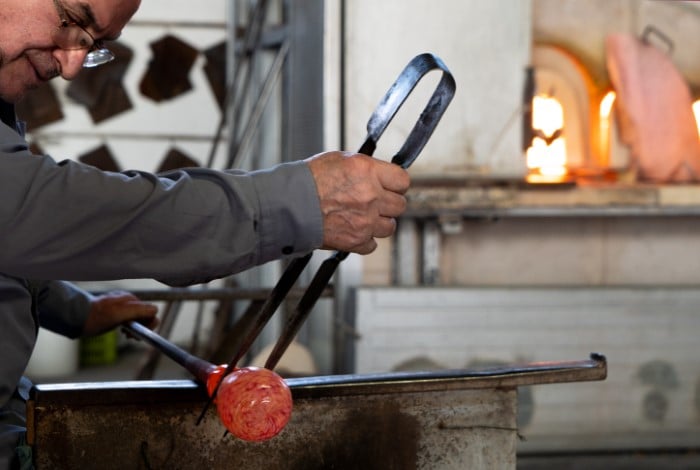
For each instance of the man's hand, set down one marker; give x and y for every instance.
(360, 199)
(111, 310)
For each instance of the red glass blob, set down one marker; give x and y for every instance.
(254, 403)
(214, 378)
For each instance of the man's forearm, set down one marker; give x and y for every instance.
(70, 221)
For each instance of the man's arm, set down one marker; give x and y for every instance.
(72, 221)
(66, 309)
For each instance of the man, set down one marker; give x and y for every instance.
(69, 221)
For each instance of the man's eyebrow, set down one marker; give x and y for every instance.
(87, 13)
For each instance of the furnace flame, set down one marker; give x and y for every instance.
(546, 156)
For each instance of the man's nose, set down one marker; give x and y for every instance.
(71, 61)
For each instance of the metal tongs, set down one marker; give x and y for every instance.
(394, 98)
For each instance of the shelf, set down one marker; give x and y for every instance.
(522, 200)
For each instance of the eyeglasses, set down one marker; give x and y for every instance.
(71, 36)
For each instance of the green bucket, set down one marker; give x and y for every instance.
(99, 350)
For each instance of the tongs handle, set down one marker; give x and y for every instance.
(428, 120)
(394, 98)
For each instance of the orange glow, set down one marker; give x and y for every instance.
(546, 157)
(604, 113)
(548, 160)
(696, 111)
(606, 105)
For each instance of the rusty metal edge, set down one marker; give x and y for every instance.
(169, 391)
(592, 369)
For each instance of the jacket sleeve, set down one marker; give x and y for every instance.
(71, 221)
(62, 307)
(17, 334)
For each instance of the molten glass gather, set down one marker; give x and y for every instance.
(254, 403)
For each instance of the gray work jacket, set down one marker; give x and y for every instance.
(71, 221)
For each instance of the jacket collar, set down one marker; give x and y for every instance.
(8, 116)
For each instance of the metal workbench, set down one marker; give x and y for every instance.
(453, 419)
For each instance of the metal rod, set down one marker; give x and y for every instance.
(271, 305)
(242, 144)
(199, 368)
(304, 307)
(251, 43)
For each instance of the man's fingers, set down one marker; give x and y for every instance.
(392, 177)
(139, 311)
(112, 309)
(128, 307)
(149, 322)
(141, 307)
(392, 205)
(366, 248)
(385, 227)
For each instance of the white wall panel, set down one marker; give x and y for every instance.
(173, 11)
(648, 335)
(485, 44)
